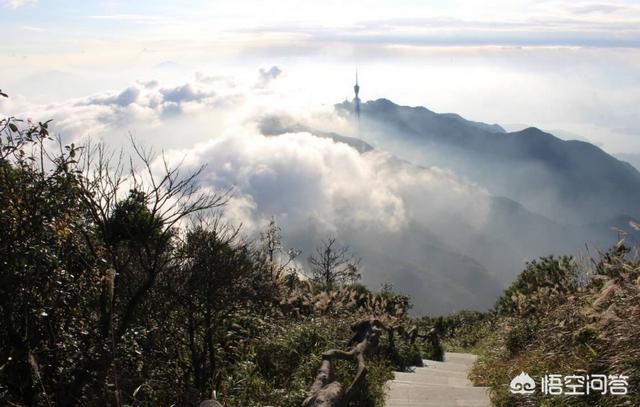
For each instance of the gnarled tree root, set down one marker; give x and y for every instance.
(325, 391)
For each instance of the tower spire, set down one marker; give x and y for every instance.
(356, 101)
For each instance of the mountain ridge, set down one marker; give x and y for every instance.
(434, 261)
(554, 177)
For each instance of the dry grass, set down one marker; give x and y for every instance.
(590, 329)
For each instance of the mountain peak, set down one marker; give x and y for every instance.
(567, 181)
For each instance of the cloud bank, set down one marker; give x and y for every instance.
(298, 176)
(301, 178)
(426, 230)
(397, 216)
(144, 104)
(315, 185)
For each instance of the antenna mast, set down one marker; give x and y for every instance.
(356, 101)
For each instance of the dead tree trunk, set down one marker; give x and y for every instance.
(325, 391)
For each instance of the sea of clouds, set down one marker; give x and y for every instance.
(313, 185)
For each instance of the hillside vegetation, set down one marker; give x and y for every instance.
(559, 317)
(124, 286)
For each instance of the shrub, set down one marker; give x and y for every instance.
(544, 282)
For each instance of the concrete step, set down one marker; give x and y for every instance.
(450, 403)
(457, 355)
(462, 367)
(413, 391)
(431, 379)
(441, 384)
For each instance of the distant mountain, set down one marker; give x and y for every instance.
(548, 197)
(273, 125)
(631, 158)
(567, 181)
(437, 277)
(528, 235)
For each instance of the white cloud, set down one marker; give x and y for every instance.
(268, 75)
(185, 93)
(313, 185)
(307, 180)
(143, 105)
(298, 176)
(148, 84)
(14, 4)
(31, 28)
(125, 98)
(133, 18)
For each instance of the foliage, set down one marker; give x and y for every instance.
(542, 283)
(573, 330)
(460, 332)
(123, 286)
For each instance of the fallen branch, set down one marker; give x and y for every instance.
(325, 391)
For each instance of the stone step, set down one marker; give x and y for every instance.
(457, 355)
(401, 391)
(450, 403)
(447, 365)
(430, 370)
(460, 361)
(431, 379)
(441, 384)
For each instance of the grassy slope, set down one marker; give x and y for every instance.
(550, 329)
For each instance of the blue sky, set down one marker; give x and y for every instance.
(568, 66)
(469, 22)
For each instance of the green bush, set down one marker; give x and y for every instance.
(544, 282)
(519, 336)
(402, 355)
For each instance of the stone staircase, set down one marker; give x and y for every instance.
(438, 384)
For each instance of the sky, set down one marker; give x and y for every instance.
(569, 67)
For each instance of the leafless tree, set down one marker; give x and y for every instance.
(116, 193)
(278, 259)
(170, 197)
(334, 265)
